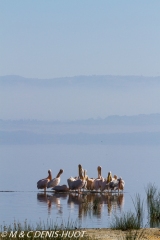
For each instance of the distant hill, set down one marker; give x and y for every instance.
(141, 119)
(79, 98)
(115, 130)
(82, 81)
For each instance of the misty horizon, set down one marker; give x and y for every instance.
(112, 119)
(114, 130)
(82, 97)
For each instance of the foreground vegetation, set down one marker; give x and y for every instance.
(153, 205)
(131, 222)
(134, 221)
(43, 231)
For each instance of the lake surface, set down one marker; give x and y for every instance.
(23, 165)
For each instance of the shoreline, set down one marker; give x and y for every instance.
(110, 234)
(94, 233)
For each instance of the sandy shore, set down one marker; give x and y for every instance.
(108, 234)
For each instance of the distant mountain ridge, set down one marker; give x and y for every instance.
(143, 129)
(81, 81)
(141, 119)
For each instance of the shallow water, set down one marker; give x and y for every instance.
(59, 208)
(23, 165)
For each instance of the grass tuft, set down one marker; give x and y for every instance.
(151, 191)
(153, 204)
(129, 220)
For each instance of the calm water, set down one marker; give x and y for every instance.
(23, 165)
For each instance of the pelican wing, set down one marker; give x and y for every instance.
(41, 184)
(104, 185)
(122, 183)
(54, 182)
(97, 183)
(70, 181)
(113, 185)
(90, 184)
(78, 184)
(75, 184)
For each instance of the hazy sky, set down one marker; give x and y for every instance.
(47, 39)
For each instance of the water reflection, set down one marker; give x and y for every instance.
(51, 200)
(94, 203)
(85, 204)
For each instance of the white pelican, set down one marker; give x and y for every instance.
(76, 184)
(121, 184)
(114, 177)
(55, 181)
(62, 188)
(116, 184)
(85, 177)
(89, 181)
(89, 184)
(99, 169)
(109, 178)
(42, 184)
(80, 171)
(80, 174)
(98, 181)
(106, 181)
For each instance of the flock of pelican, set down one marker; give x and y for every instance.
(82, 181)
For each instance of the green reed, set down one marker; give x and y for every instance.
(130, 220)
(150, 191)
(153, 205)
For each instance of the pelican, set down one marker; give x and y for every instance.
(99, 169)
(114, 177)
(85, 179)
(121, 184)
(70, 180)
(106, 181)
(80, 171)
(80, 174)
(42, 184)
(89, 181)
(109, 178)
(62, 188)
(98, 181)
(55, 181)
(117, 184)
(76, 184)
